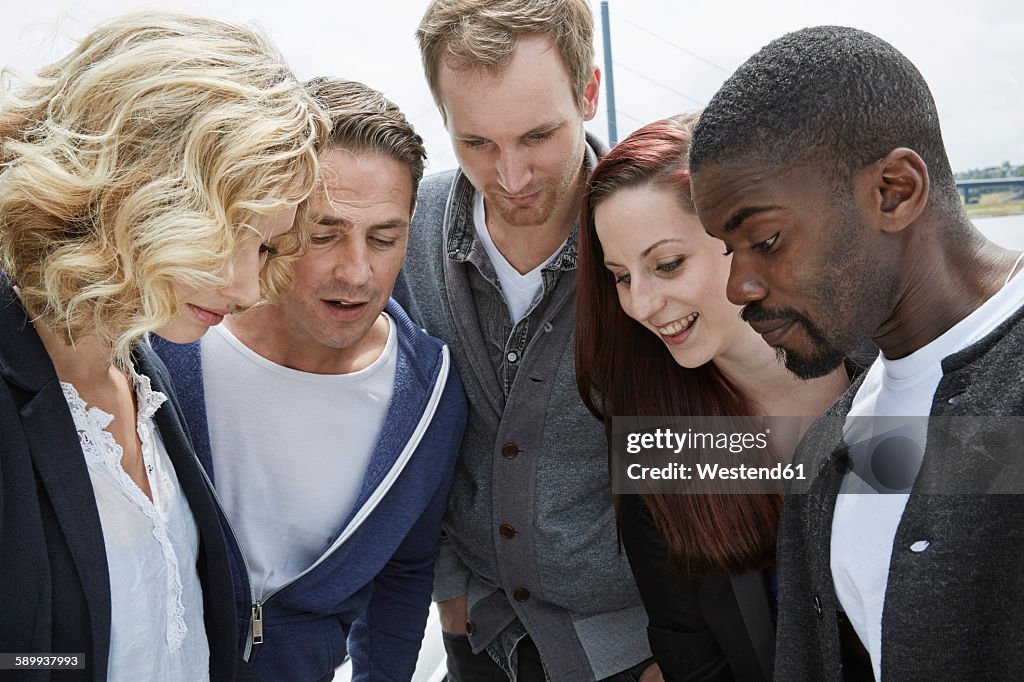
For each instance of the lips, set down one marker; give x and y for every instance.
(344, 310)
(522, 199)
(208, 317)
(678, 331)
(772, 331)
(344, 304)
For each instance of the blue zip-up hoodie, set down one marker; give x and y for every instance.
(368, 596)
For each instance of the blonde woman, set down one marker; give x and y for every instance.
(148, 179)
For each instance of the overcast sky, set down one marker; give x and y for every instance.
(671, 55)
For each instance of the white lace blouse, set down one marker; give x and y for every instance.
(156, 630)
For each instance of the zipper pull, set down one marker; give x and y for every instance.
(257, 623)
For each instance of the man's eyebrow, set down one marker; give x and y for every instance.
(545, 128)
(331, 221)
(390, 224)
(737, 218)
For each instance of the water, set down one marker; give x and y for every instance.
(1007, 231)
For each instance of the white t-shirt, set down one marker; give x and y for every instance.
(519, 290)
(290, 450)
(864, 525)
(157, 630)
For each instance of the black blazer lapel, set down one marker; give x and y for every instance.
(50, 432)
(752, 600)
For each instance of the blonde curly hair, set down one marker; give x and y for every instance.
(134, 165)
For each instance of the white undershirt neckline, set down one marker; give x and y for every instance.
(864, 524)
(519, 290)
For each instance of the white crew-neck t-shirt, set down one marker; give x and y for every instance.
(290, 450)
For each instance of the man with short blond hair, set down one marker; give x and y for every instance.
(530, 584)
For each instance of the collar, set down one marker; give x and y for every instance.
(23, 358)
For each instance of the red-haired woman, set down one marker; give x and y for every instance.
(655, 335)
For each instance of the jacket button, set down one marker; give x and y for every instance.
(920, 546)
(521, 594)
(509, 450)
(507, 531)
(817, 606)
(470, 627)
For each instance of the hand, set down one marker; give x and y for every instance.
(454, 615)
(651, 674)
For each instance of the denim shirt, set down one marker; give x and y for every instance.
(531, 536)
(506, 342)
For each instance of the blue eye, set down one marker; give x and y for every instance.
(622, 279)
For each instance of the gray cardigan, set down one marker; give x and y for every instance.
(954, 605)
(530, 529)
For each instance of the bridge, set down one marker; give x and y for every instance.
(966, 187)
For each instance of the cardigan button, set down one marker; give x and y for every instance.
(509, 450)
(470, 627)
(817, 607)
(507, 531)
(521, 594)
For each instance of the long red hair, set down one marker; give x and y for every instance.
(622, 369)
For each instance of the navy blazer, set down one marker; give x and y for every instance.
(54, 583)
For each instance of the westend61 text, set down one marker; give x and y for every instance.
(716, 472)
(667, 439)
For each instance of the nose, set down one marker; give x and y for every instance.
(746, 284)
(244, 288)
(352, 265)
(514, 171)
(645, 300)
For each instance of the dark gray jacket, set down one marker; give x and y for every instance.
(954, 604)
(530, 529)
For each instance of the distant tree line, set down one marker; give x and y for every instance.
(1006, 170)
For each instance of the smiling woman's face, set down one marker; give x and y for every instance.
(670, 275)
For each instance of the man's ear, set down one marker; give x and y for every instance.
(899, 188)
(591, 94)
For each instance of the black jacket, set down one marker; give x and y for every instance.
(54, 584)
(715, 629)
